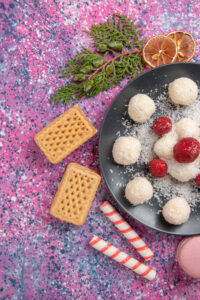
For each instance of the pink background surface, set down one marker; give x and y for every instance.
(41, 257)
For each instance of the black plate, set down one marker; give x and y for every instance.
(155, 79)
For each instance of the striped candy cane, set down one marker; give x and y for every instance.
(123, 258)
(126, 230)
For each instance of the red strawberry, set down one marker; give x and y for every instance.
(162, 125)
(158, 167)
(186, 150)
(197, 179)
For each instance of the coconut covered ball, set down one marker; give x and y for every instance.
(139, 190)
(176, 211)
(126, 150)
(183, 172)
(141, 107)
(164, 146)
(183, 91)
(187, 128)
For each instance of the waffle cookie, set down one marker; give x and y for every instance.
(64, 135)
(75, 194)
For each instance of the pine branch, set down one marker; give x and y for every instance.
(76, 65)
(117, 55)
(119, 28)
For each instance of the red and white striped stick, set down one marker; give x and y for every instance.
(126, 230)
(123, 258)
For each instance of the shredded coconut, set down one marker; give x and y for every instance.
(167, 187)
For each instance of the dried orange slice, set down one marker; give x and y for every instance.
(185, 43)
(159, 50)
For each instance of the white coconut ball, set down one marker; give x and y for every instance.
(176, 211)
(141, 107)
(187, 128)
(163, 148)
(183, 172)
(126, 150)
(183, 91)
(139, 190)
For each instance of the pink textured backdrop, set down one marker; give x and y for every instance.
(41, 257)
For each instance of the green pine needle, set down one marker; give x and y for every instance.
(119, 28)
(117, 55)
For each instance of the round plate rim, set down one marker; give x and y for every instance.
(99, 147)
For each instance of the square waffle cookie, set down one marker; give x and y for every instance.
(64, 135)
(75, 194)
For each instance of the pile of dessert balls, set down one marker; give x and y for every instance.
(177, 148)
